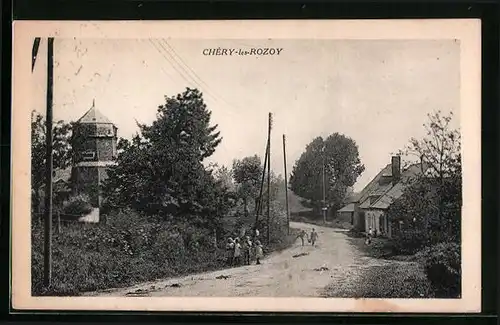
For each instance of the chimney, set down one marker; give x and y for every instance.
(396, 169)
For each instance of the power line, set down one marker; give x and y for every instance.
(195, 74)
(164, 71)
(183, 75)
(171, 60)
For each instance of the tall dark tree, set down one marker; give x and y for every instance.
(340, 157)
(61, 151)
(247, 173)
(160, 172)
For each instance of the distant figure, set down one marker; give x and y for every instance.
(301, 235)
(314, 237)
(369, 236)
(259, 253)
(230, 251)
(237, 252)
(247, 247)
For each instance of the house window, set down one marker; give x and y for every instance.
(88, 155)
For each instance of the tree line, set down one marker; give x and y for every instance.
(162, 171)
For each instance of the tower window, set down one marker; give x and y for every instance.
(88, 155)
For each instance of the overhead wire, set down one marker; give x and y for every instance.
(188, 77)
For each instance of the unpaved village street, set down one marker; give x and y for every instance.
(333, 262)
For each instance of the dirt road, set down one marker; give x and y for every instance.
(333, 260)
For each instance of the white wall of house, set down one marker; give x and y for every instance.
(373, 220)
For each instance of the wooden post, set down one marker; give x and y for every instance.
(47, 257)
(34, 52)
(269, 179)
(259, 207)
(58, 224)
(286, 187)
(324, 186)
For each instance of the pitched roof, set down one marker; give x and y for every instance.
(347, 208)
(93, 116)
(61, 185)
(62, 174)
(374, 184)
(396, 191)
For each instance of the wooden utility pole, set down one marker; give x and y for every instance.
(324, 208)
(269, 179)
(47, 257)
(286, 187)
(34, 52)
(259, 206)
(58, 224)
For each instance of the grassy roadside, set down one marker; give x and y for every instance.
(404, 278)
(401, 280)
(95, 258)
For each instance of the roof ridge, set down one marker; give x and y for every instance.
(97, 118)
(383, 194)
(361, 194)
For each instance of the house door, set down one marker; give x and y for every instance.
(362, 221)
(383, 228)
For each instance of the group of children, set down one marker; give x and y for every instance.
(312, 238)
(241, 251)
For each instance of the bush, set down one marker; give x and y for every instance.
(409, 242)
(129, 249)
(442, 264)
(77, 205)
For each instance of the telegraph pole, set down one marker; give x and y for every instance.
(259, 207)
(269, 179)
(324, 188)
(47, 256)
(34, 52)
(286, 188)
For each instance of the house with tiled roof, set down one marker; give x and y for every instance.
(369, 209)
(346, 213)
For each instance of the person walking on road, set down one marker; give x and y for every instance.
(301, 235)
(314, 237)
(259, 253)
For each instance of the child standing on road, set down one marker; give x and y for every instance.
(369, 236)
(247, 247)
(237, 252)
(229, 250)
(259, 253)
(314, 237)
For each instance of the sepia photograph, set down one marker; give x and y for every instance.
(237, 167)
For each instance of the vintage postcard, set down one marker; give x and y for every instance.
(288, 166)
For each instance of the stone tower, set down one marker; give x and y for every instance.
(94, 149)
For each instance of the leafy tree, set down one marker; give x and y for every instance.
(340, 157)
(61, 151)
(429, 210)
(247, 173)
(160, 171)
(224, 175)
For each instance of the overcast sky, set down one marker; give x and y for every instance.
(376, 92)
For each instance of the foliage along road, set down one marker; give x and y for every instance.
(334, 261)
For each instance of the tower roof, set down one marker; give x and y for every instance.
(93, 116)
